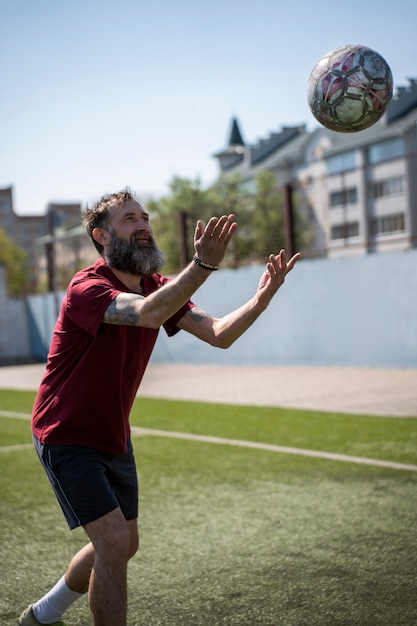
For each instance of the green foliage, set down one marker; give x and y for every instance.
(16, 262)
(229, 196)
(304, 226)
(186, 197)
(260, 215)
(267, 216)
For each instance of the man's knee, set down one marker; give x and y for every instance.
(110, 536)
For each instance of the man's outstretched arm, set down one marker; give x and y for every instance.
(210, 243)
(222, 332)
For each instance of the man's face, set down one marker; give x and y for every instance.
(132, 248)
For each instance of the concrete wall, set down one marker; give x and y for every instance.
(42, 314)
(14, 330)
(358, 311)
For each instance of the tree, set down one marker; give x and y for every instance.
(16, 262)
(228, 195)
(268, 216)
(173, 214)
(260, 216)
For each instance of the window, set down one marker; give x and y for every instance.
(391, 149)
(341, 162)
(344, 197)
(387, 224)
(388, 187)
(345, 231)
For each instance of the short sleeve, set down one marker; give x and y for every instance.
(87, 301)
(170, 325)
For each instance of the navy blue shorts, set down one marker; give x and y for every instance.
(89, 484)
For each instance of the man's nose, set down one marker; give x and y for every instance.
(144, 226)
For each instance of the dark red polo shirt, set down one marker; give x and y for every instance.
(94, 369)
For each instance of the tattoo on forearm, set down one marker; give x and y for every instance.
(197, 314)
(122, 312)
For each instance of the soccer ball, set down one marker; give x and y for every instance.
(350, 88)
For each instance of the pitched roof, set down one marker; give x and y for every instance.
(403, 102)
(236, 138)
(286, 144)
(274, 142)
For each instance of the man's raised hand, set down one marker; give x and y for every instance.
(211, 241)
(276, 270)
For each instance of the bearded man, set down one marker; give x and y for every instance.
(102, 342)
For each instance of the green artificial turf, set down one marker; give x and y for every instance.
(232, 535)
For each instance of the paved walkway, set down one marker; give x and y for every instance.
(340, 389)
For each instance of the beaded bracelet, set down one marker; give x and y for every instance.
(206, 266)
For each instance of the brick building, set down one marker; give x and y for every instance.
(55, 242)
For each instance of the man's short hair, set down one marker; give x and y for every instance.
(96, 216)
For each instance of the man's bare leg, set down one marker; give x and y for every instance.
(78, 572)
(113, 541)
(76, 580)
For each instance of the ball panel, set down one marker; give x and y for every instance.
(350, 88)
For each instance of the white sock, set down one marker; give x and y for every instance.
(53, 605)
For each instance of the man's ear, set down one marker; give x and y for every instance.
(101, 235)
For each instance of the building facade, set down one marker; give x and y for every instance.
(56, 243)
(357, 192)
(22, 230)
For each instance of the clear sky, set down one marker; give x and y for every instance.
(100, 94)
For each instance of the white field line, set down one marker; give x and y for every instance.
(273, 448)
(18, 416)
(143, 432)
(19, 446)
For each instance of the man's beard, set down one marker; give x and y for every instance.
(134, 258)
